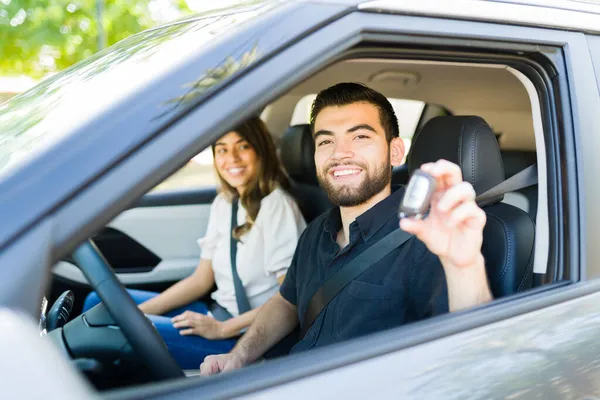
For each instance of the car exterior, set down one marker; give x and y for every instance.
(67, 167)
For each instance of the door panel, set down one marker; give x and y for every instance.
(123, 253)
(167, 271)
(153, 244)
(168, 225)
(170, 232)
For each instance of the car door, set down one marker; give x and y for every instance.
(410, 359)
(542, 342)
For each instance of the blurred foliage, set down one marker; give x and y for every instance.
(38, 37)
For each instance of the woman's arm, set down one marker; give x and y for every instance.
(183, 292)
(232, 327)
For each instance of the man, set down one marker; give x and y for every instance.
(440, 269)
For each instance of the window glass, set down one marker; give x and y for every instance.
(198, 173)
(408, 113)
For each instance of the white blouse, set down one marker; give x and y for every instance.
(264, 253)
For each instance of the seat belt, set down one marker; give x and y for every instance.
(334, 285)
(240, 293)
(344, 276)
(527, 177)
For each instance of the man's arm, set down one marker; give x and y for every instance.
(276, 319)
(467, 287)
(453, 231)
(233, 326)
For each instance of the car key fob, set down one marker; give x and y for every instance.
(417, 197)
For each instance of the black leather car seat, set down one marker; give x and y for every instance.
(514, 161)
(297, 156)
(508, 236)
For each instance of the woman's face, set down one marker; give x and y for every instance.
(236, 161)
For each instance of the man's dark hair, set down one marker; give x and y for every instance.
(347, 93)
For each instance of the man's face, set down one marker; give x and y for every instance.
(352, 155)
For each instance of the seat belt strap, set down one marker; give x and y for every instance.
(354, 268)
(527, 177)
(240, 293)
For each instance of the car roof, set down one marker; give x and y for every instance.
(563, 14)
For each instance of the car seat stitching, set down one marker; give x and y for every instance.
(508, 246)
(529, 269)
(474, 151)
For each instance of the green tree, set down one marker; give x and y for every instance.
(38, 37)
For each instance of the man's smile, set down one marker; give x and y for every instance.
(344, 172)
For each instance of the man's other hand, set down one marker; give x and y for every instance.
(220, 363)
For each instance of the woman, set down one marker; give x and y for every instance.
(265, 232)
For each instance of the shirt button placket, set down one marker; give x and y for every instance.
(317, 327)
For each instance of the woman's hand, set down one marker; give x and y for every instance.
(198, 324)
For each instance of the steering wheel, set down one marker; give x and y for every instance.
(139, 331)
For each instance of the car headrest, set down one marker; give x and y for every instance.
(298, 154)
(467, 141)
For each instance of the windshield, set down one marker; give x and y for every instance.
(42, 116)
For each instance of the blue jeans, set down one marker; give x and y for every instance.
(188, 351)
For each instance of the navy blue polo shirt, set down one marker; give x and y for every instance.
(406, 285)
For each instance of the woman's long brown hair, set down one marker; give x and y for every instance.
(270, 176)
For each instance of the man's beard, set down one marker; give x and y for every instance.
(345, 196)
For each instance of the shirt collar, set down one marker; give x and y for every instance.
(333, 222)
(371, 220)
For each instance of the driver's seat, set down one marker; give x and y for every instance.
(509, 233)
(298, 158)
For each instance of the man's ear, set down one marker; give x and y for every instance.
(396, 151)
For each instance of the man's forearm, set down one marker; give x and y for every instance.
(233, 326)
(276, 319)
(467, 286)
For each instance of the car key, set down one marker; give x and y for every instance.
(418, 194)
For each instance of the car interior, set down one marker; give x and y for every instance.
(476, 115)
